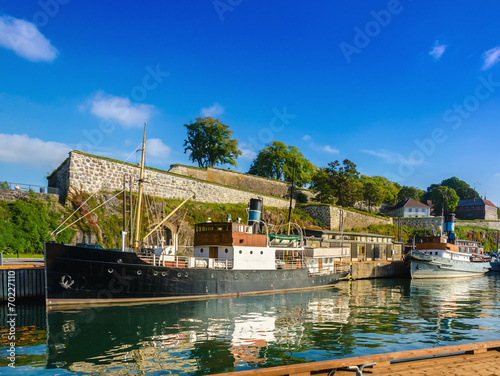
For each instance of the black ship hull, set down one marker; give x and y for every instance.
(80, 275)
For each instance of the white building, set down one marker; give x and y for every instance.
(410, 208)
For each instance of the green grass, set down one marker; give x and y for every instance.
(23, 255)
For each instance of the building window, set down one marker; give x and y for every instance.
(409, 210)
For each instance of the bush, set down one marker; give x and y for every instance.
(301, 198)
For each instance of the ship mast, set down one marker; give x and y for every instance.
(136, 244)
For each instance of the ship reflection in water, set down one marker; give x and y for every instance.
(221, 335)
(210, 336)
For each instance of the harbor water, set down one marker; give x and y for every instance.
(219, 335)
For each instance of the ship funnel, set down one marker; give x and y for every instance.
(449, 227)
(254, 212)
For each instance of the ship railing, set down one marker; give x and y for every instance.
(335, 267)
(187, 262)
(293, 263)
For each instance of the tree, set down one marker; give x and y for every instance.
(277, 161)
(339, 184)
(389, 189)
(410, 192)
(372, 194)
(446, 196)
(210, 144)
(463, 190)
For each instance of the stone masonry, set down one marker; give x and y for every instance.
(93, 174)
(330, 217)
(240, 180)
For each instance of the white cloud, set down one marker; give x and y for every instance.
(392, 157)
(328, 149)
(121, 110)
(248, 154)
(213, 111)
(437, 51)
(321, 148)
(156, 148)
(21, 149)
(491, 57)
(25, 40)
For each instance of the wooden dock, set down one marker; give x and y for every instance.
(478, 359)
(22, 282)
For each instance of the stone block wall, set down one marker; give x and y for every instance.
(430, 223)
(494, 225)
(240, 180)
(13, 195)
(93, 174)
(330, 217)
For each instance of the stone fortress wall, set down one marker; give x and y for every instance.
(92, 174)
(335, 218)
(240, 180)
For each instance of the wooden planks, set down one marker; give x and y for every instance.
(389, 362)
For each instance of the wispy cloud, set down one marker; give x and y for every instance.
(248, 154)
(121, 110)
(392, 157)
(22, 149)
(25, 40)
(491, 57)
(156, 148)
(213, 111)
(320, 148)
(437, 50)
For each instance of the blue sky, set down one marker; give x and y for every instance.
(409, 90)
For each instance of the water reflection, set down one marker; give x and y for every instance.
(220, 335)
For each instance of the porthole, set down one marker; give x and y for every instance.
(235, 276)
(226, 250)
(155, 273)
(241, 252)
(186, 275)
(179, 275)
(164, 274)
(246, 275)
(251, 252)
(201, 250)
(212, 275)
(119, 261)
(139, 272)
(110, 270)
(284, 275)
(261, 252)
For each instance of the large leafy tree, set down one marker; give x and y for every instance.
(444, 196)
(278, 161)
(388, 189)
(373, 194)
(463, 190)
(410, 192)
(339, 184)
(209, 143)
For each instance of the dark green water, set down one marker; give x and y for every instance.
(220, 335)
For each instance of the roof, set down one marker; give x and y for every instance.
(409, 203)
(475, 202)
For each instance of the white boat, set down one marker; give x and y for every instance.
(439, 257)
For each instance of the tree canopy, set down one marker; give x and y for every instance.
(410, 192)
(277, 161)
(338, 184)
(446, 196)
(210, 144)
(463, 190)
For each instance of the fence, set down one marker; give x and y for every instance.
(28, 187)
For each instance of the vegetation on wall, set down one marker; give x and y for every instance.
(27, 222)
